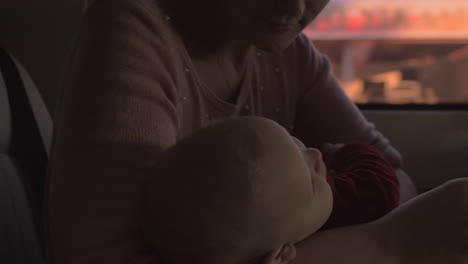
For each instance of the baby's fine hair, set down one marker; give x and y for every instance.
(200, 194)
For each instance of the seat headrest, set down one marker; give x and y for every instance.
(19, 241)
(40, 112)
(5, 121)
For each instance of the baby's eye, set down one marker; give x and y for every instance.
(299, 144)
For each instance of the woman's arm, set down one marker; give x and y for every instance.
(326, 114)
(117, 112)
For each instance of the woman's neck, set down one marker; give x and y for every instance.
(222, 70)
(231, 53)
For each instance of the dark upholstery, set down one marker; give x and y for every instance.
(22, 167)
(19, 241)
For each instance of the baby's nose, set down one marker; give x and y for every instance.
(314, 157)
(314, 153)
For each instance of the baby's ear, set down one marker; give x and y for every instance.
(282, 255)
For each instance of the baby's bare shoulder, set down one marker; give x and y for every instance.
(429, 229)
(352, 245)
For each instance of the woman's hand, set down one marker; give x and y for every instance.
(328, 153)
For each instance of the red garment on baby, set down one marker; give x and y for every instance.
(365, 186)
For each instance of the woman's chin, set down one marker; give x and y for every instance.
(275, 44)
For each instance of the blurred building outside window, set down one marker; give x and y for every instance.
(397, 52)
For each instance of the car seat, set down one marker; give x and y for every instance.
(25, 138)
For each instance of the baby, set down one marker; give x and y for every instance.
(241, 191)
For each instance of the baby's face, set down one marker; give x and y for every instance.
(319, 206)
(299, 177)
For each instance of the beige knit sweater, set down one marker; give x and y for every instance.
(132, 91)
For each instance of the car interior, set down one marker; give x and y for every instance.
(413, 87)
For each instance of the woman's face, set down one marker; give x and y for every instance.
(268, 24)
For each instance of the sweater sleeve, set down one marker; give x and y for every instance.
(364, 188)
(324, 112)
(117, 112)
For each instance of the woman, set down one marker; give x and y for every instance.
(146, 73)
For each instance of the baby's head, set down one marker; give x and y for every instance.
(239, 191)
